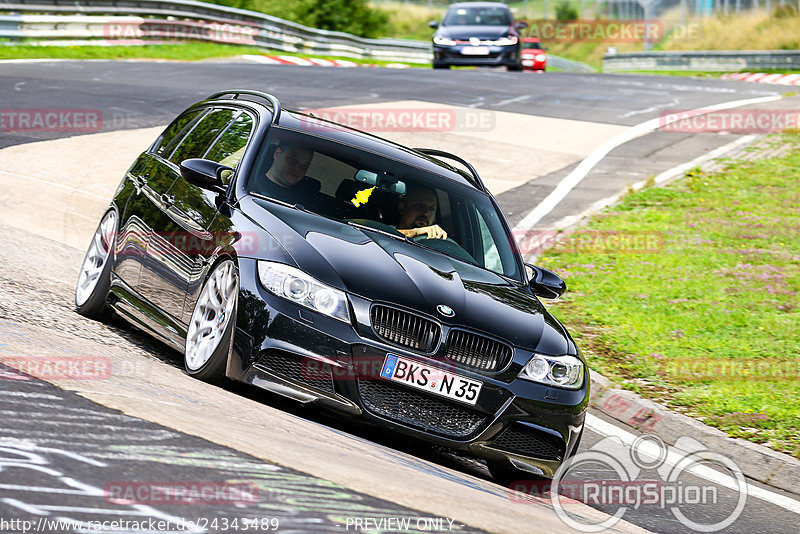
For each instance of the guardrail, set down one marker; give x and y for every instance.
(131, 22)
(95, 19)
(704, 60)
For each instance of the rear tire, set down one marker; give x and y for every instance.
(210, 332)
(94, 280)
(436, 66)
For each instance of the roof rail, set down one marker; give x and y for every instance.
(276, 105)
(443, 154)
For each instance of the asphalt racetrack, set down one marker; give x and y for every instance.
(66, 447)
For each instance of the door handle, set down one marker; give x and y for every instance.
(139, 183)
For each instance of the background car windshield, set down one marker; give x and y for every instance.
(477, 16)
(531, 46)
(328, 182)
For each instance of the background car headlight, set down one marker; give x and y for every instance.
(560, 371)
(540, 57)
(505, 41)
(300, 288)
(444, 41)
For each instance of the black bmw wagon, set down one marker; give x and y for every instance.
(337, 268)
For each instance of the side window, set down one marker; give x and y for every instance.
(491, 258)
(203, 133)
(174, 131)
(229, 148)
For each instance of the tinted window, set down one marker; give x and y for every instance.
(173, 132)
(339, 182)
(230, 146)
(202, 135)
(477, 16)
(531, 46)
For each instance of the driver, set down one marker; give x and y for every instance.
(417, 211)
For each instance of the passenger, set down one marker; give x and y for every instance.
(417, 211)
(285, 176)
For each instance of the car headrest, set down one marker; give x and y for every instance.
(348, 189)
(308, 185)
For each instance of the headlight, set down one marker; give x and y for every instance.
(444, 41)
(505, 41)
(560, 371)
(300, 288)
(540, 57)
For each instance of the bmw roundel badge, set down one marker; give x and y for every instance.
(447, 311)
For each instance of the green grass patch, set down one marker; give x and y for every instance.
(186, 51)
(706, 318)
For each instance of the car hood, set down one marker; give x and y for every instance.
(378, 267)
(481, 32)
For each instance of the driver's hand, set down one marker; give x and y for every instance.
(431, 232)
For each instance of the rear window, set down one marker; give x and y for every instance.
(174, 132)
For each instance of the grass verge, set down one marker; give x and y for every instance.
(706, 318)
(185, 51)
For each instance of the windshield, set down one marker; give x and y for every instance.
(370, 191)
(531, 46)
(477, 16)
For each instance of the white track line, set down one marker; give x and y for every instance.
(603, 428)
(569, 182)
(665, 176)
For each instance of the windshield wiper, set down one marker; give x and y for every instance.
(280, 202)
(383, 232)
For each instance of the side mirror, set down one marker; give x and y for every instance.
(521, 25)
(433, 24)
(545, 283)
(204, 173)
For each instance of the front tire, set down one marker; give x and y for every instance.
(208, 339)
(94, 280)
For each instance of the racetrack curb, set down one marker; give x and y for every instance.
(756, 461)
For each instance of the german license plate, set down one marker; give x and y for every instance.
(475, 51)
(430, 379)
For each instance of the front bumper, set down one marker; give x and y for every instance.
(529, 63)
(316, 359)
(496, 55)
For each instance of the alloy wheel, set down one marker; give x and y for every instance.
(211, 315)
(96, 258)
